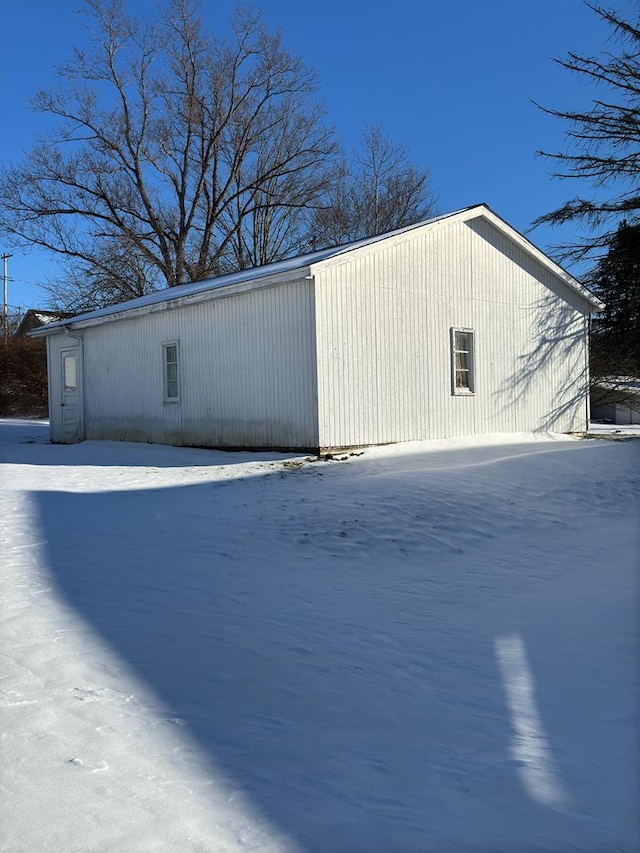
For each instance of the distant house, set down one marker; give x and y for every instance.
(36, 318)
(616, 401)
(454, 326)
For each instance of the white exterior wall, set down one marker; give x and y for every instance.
(617, 413)
(384, 316)
(626, 415)
(247, 373)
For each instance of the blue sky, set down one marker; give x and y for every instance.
(454, 80)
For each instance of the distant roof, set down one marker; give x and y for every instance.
(50, 316)
(35, 318)
(300, 262)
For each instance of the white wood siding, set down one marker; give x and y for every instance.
(247, 373)
(384, 316)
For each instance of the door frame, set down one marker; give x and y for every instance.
(74, 349)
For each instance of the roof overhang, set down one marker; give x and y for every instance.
(536, 253)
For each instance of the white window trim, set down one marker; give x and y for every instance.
(471, 390)
(165, 378)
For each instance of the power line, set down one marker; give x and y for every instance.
(27, 281)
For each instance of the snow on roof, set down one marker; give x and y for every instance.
(46, 317)
(276, 268)
(282, 267)
(628, 384)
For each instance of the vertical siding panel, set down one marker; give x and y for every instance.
(384, 316)
(247, 372)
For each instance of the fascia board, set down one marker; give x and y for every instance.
(538, 255)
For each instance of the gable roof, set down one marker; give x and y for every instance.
(289, 269)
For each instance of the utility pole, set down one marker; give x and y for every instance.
(5, 305)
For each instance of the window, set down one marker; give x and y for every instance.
(462, 361)
(171, 384)
(70, 370)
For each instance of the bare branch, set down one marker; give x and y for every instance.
(163, 132)
(380, 191)
(603, 141)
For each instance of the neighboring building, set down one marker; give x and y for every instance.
(36, 318)
(616, 401)
(450, 327)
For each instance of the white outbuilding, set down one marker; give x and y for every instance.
(454, 326)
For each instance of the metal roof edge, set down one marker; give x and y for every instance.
(484, 210)
(207, 287)
(290, 269)
(542, 257)
(172, 300)
(442, 219)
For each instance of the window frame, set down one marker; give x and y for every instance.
(167, 398)
(470, 390)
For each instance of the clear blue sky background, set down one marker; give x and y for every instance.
(454, 80)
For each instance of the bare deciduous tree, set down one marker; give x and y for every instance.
(270, 220)
(118, 272)
(175, 155)
(381, 191)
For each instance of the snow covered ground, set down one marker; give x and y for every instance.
(430, 647)
(617, 430)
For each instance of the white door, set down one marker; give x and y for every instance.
(70, 396)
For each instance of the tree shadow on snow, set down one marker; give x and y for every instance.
(358, 705)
